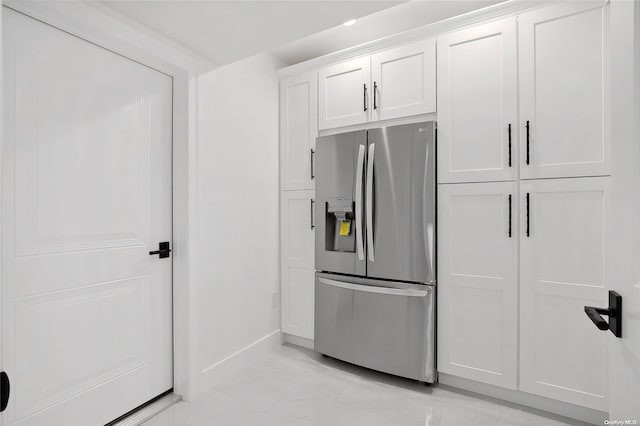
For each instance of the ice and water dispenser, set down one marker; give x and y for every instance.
(340, 225)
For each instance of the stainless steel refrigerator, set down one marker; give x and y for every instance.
(375, 249)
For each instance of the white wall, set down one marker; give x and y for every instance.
(238, 202)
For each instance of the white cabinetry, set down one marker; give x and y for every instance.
(297, 243)
(391, 84)
(563, 267)
(478, 282)
(563, 95)
(298, 130)
(404, 81)
(344, 93)
(477, 104)
(561, 132)
(554, 67)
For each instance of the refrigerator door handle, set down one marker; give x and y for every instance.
(359, 219)
(376, 289)
(370, 236)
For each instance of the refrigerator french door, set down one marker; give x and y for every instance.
(375, 242)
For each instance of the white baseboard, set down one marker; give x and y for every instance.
(226, 369)
(298, 341)
(565, 409)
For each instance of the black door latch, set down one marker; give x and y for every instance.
(614, 312)
(163, 250)
(4, 391)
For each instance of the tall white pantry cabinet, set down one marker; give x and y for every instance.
(298, 132)
(523, 166)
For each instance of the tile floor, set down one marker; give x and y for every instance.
(296, 386)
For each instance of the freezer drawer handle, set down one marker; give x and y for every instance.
(375, 289)
(614, 312)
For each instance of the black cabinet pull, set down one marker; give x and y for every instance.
(614, 312)
(312, 173)
(528, 227)
(528, 142)
(313, 225)
(365, 97)
(509, 146)
(163, 250)
(375, 90)
(509, 215)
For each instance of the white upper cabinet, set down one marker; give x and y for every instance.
(478, 282)
(297, 244)
(298, 130)
(563, 268)
(344, 93)
(563, 92)
(395, 83)
(477, 104)
(404, 81)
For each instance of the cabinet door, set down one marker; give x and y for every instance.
(563, 255)
(477, 104)
(563, 95)
(478, 282)
(297, 257)
(344, 93)
(404, 81)
(298, 130)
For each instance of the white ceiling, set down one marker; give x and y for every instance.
(403, 17)
(226, 31)
(294, 30)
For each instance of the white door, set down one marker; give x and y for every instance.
(564, 243)
(298, 130)
(404, 81)
(478, 282)
(478, 103)
(86, 194)
(344, 93)
(563, 68)
(297, 225)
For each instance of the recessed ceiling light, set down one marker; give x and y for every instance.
(349, 22)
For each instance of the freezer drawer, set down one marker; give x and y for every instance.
(381, 325)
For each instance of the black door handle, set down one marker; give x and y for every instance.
(163, 250)
(614, 312)
(5, 390)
